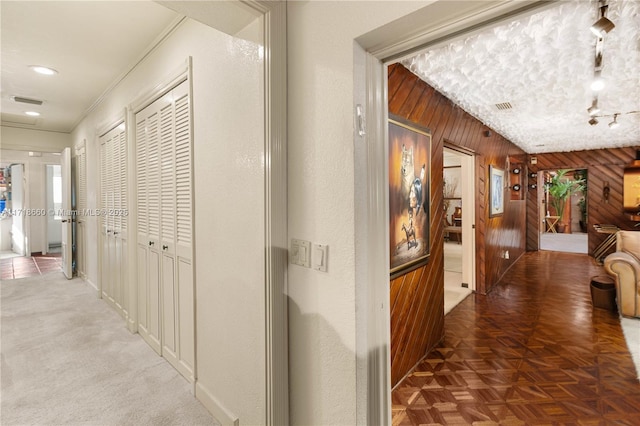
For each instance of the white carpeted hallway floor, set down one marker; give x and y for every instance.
(67, 358)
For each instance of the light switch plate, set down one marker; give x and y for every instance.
(320, 257)
(300, 253)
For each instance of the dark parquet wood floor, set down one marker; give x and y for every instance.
(532, 352)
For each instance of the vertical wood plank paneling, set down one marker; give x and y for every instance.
(417, 298)
(603, 166)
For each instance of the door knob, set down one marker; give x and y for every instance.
(151, 243)
(165, 247)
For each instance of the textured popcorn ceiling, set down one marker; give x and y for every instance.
(543, 66)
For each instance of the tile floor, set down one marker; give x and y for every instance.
(28, 266)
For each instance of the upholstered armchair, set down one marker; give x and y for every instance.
(624, 266)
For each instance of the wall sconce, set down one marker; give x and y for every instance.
(533, 186)
(516, 171)
(533, 175)
(516, 187)
(605, 192)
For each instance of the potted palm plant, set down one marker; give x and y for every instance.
(582, 204)
(560, 187)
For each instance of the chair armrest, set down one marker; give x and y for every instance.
(626, 270)
(620, 258)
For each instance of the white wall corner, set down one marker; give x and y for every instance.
(95, 287)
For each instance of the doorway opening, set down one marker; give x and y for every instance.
(13, 239)
(563, 210)
(16, 215)
(54, 208)
(458, 247)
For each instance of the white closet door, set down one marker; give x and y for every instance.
(81, 205)
(113, 222)
(142, 227)
(167, 220)
(122, 214)
(165, 269)
(148, 258)
(113, 158)
(153, 209)
(184, 231)
(104, 242)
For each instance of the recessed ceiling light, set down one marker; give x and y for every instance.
(32, 113)
(43, 70)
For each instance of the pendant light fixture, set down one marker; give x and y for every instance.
(614, 123)
(602, 26)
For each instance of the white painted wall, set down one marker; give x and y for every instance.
(230, 247)
(322, 322)
(229, 205)
(15, 138)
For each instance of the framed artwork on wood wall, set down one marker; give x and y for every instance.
(409, 195)
(496, 191)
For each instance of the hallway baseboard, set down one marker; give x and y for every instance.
(215, 407)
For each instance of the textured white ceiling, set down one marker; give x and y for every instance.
(543, 66)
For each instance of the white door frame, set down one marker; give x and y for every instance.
(434, 24)
(67, 215)
(275, 211)
(276, 221)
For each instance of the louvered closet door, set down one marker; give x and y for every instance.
(121, 219)
(168, 227)
(81, 205)
(184, 230)
(104, 241)
(113, 158)
(165, 192)
(148, 256)
(113, 218)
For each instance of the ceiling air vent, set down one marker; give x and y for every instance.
(27, 100)
(503, 106)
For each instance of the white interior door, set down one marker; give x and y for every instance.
(468, 221)
(67, 266)
(17, 204)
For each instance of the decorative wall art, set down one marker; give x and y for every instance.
(496, 191)
(409, 208)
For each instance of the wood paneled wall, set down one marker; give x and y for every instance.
(417, 298)
(603, 166)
